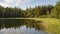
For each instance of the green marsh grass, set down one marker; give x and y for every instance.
(52, 25)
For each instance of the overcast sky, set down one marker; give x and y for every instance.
(26, 3)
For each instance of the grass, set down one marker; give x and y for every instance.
(52, 25)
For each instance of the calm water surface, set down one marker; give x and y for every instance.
(21, 26)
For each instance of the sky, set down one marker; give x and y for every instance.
(23, 4)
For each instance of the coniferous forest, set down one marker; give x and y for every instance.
(43, 11)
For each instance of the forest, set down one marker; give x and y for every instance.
(44, 11)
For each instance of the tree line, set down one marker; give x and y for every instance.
(11, 12)
(36, 12)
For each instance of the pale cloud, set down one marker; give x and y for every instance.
(18, 1)
(4, 4)
(23, 1)
(8, 1)
(11, 3)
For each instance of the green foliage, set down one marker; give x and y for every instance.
(39, 11)
(56, 11)
(11, 12)
(36, 12)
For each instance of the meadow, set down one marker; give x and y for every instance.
(52, 25)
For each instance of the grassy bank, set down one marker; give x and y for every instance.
(52, 25)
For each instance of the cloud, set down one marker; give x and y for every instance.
(23, 1)
(18, 1)
(11, 3)
(3, 4)
(8, 1)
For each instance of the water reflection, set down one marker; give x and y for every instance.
(21, 26)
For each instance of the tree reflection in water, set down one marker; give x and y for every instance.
(15, 23)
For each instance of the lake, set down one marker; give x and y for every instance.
(21, 26)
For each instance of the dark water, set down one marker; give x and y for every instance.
(21, 26)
